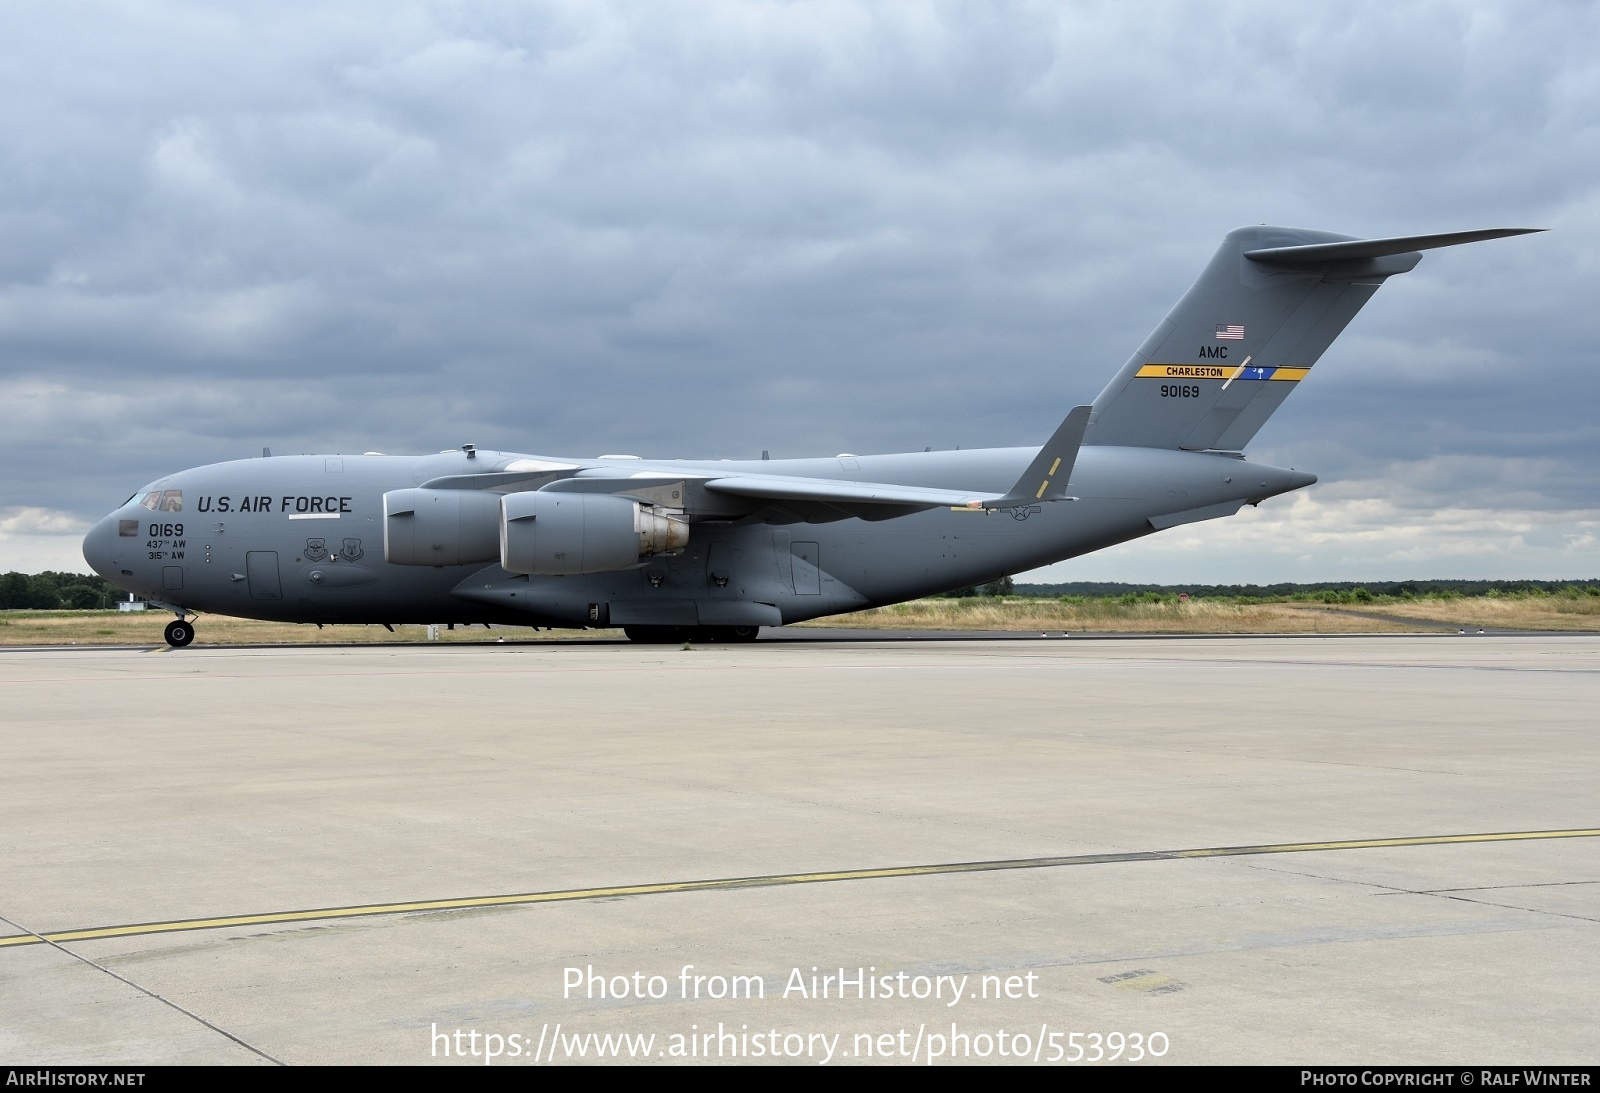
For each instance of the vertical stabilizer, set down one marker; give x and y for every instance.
(1268, 305)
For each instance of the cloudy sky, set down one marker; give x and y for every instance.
(710, 228)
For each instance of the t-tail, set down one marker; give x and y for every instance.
(1248, 331)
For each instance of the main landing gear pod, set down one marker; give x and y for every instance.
(669, 635)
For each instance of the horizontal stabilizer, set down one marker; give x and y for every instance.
(1315, 254)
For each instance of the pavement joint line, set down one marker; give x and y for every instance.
(60, 938)
(142, 990)
(1510, 906)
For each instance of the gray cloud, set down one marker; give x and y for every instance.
(692, 229)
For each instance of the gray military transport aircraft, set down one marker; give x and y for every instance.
(674, 549)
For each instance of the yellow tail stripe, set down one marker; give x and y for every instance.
(1210, 372)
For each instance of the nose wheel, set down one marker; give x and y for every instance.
(179, 633)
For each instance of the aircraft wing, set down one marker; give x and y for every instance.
(757, 487)
(831, 491)
(1045, 479)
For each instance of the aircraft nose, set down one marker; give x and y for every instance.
(97, 547)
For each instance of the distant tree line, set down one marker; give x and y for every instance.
(1326, 591)
(51, 591)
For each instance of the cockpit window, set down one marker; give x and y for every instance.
(163, 501)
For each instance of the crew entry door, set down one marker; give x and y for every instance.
(261, 569)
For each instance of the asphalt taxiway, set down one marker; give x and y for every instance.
(1343, 850)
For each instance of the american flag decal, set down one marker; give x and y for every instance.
(1230, 332)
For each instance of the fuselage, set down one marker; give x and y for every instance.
(301, 538)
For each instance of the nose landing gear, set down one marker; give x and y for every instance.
(179, 633)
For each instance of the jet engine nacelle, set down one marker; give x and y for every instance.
(440, 527)
(565, 533)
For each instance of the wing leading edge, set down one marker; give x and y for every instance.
(1045, 479)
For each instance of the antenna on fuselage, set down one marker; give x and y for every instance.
(266, 453)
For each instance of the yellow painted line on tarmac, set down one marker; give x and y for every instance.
(730, 883)
(1373, 844)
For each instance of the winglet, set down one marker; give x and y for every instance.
(1047, 476)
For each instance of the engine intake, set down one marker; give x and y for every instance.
(568, 533)
(440, 527)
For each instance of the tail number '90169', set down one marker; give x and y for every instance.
(166, 544)
(1180, 390)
